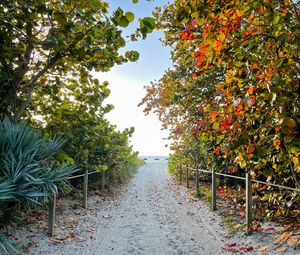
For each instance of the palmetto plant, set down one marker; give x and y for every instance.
(28, 172)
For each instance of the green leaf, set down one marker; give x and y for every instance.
(148, 23)
(129, 16)
(216, 125)
(132, 55)
(123, 22)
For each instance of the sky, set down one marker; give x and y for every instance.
(127, 82)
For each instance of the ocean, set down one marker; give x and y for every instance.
(156, 159)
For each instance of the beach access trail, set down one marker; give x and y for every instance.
(155, 217)
(152, 215)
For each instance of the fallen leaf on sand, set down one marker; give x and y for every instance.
(231, 244)
(33, 244)
(190, 213)
(233, 249)
(80, 239)
(191, 197)
(282, 249)
(236, 226)
(283, 237)
(267, 228)
(246, 248)
(92, 230)
(294, 240)
(264, 248)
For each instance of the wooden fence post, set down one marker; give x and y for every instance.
(213, 190)
(180, 172)
(197, 182)
(85, 188)
(248, 203)
(187, 175)
(51, 216)
(102, 180)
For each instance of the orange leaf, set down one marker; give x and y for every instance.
(251, 90)
(276, 142)
(283, 237)
(200, 60)
(251, 16)
(214, 116)
(202, 48)
(240, 107)
(222, 36)
(218, 45)
(268, 75)
(282, 249)
(246, 248)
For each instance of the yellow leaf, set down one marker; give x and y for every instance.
(243, 164)
(294, 150)
(240, 12)
(264, 248)
(283, 237)
(295, 161)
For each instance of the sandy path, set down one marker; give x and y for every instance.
(153, 216)
(153, 219)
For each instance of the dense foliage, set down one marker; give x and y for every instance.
(28, 172)
(235, 85)
(45, 42)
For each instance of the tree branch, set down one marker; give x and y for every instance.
(32, 85)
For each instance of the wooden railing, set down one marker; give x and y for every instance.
(248, 184)
(52, 203)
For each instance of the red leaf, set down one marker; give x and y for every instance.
(231, 244)
(232, 169)
(185, 36)
(251, 149)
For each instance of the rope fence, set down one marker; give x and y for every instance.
(188, 170)
(248, 184)
(52, 203)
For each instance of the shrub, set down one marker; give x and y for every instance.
(28, 172)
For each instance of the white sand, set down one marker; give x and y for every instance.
(154, 216)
